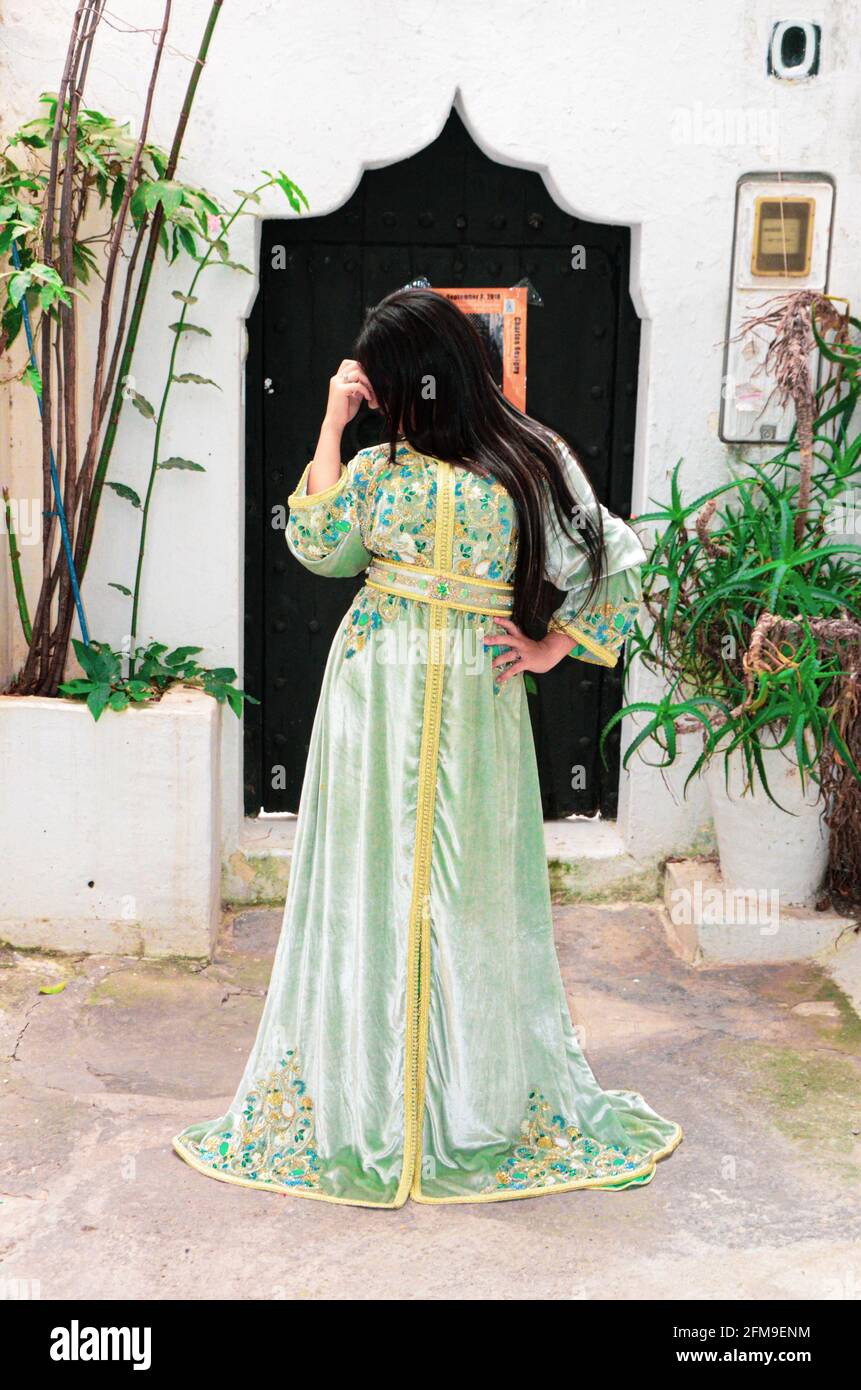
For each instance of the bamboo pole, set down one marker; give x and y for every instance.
(17, 580)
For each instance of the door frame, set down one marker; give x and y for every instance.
(234, 815)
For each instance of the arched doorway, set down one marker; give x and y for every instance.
(453, 215)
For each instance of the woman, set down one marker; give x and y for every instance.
(416, 1040)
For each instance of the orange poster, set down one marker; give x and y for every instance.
(500, 317)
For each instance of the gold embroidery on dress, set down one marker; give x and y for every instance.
(273, 1139)
(485, 528)
(369, 611)
(551, 1151)
(599, 632)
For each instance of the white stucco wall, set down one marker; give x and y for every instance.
(589, 94)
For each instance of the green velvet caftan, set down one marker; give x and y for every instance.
(416, 1040)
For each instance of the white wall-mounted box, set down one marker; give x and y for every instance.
(782, 243)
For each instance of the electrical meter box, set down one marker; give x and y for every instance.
(782, 243)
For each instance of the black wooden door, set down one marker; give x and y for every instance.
(458, 218)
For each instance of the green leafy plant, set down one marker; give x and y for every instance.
(210, 251)
(753, 596)
(85, 206)
(103, 164)
(111, 683)
(82, 200)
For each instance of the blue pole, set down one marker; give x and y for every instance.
(61, 511)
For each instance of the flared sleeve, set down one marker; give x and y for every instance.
(325, 531)
(599, 629)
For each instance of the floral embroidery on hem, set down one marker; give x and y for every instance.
(273, 1139)
(551, 1152)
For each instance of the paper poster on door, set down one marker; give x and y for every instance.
(500, 317)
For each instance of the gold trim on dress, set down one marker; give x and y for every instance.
(418, 945)
(648, 1172)
(445, 574)
(604, 655)
(280, 1189)
(440, 587)
(440, 603)
(299, 499)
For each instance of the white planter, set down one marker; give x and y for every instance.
(110, 831)
(763, 849)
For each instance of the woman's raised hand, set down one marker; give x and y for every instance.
(347, 389)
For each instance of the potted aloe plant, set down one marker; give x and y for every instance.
(752, 593)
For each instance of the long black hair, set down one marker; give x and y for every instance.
(414, 337)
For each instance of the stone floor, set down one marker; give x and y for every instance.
(760, 1064)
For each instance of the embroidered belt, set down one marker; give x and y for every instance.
(441, 587)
